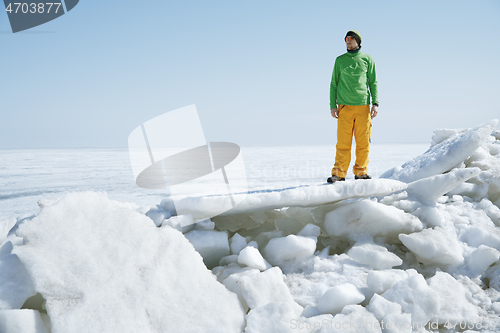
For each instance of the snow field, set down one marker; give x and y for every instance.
(415, 253)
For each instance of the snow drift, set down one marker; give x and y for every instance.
(104, 268)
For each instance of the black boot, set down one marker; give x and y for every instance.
(334, 179)
(365, 176)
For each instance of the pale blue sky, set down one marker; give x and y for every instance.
(258, 71)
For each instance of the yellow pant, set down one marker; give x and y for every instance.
(352, 119)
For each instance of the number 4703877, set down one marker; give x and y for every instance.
(24, 7)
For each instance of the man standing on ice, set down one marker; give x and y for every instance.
(353, 82)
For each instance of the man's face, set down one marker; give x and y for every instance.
(351, 43)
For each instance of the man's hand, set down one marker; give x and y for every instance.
(335, 113)
(374, 111)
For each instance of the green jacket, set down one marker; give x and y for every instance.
(353, 80)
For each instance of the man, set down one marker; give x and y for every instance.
(353, 82)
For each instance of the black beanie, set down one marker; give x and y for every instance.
(355, 35)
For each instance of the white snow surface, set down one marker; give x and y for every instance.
(302, 196)
(415, 297)
(103, 268)
(416, 253)
(369, 218)
(391, 314)
(21, 321)
(455, 301)
(434, 246)
(336, 298)
(445, 155)
(251, 257)
(376, 256)
(434, 187)
(288, 248)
